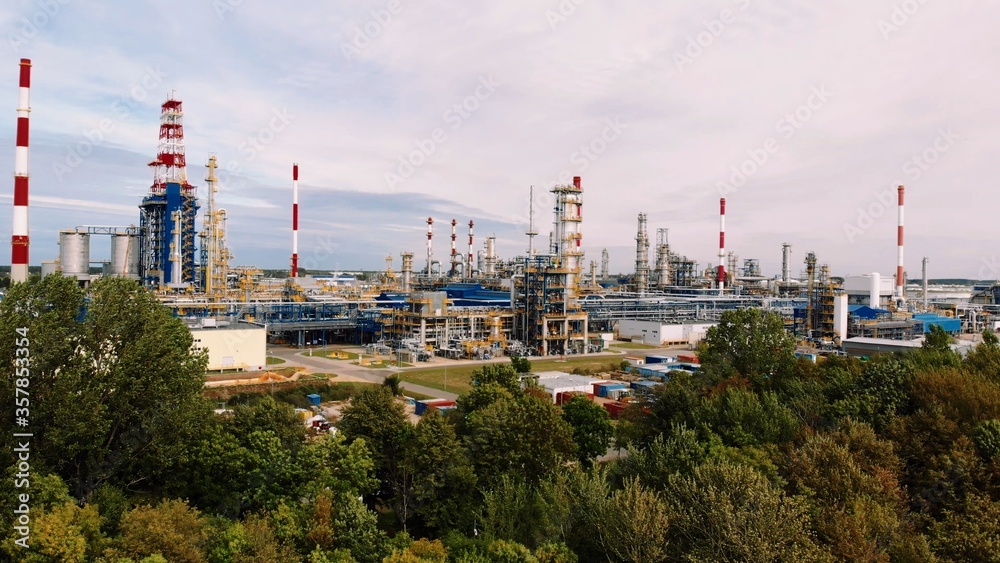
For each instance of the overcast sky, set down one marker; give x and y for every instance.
(397, 110)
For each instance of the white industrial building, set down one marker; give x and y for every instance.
(555, 382)
(658, 333)
(869, 289)
(238, 346)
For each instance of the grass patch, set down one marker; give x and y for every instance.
(459, 378)
(632, 346)
(292, 392)
(274, 360)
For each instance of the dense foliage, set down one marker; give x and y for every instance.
(757, 457)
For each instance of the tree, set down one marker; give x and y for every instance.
(879, 394)
(501, 374)
(524, 434)
(726, 512)
(744, 418)
(970, 535)
(443, 478)
(852, 478)
(751, 343)
(172, 529)
(375, 415)
(347, 525)
(60, 533)
(987, 439)
(520, 364)
(668, 454)
(592, 428)
(250, 541)
(392, 382)
(271, 415)
(635, 524)
(128, 366)
(984, 359)
(937, 339)
(420, 551)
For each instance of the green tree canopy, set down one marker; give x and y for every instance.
(116, 392)
(502, 374)
(592, 428)
(444, 482)
(750, 343)
(523, 434)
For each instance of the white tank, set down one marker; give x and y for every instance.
(49, 267)
(125, 256)
(74, 254)
(873, 297)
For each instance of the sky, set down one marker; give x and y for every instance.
(804, 116)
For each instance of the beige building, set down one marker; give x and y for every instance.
(239, 346)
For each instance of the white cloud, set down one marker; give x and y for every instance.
(354, 118)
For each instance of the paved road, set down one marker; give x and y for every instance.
(341, 367)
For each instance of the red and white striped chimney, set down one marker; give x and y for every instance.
(295, 220)
(19, 240)
(721, 276)
(899, 248)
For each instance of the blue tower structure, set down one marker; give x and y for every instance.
(169, 210)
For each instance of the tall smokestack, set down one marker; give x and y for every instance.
(722, 245)
(430, 235)
(924, 268)
(786, 263)
(19, 240)
(454, 248)
(468, 272)
(295, 220)
(899, 250)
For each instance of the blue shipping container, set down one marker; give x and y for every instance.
(314, 399)
(602, 390)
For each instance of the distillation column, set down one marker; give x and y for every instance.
(642, 256)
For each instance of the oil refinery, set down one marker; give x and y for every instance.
(473, 302)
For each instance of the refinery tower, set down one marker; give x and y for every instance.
(168, 212)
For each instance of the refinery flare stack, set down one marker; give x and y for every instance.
(19, 240)
(295, 220)
(721, 277)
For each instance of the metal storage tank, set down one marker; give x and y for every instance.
(74, 254)
(49, 267)
(125, 256)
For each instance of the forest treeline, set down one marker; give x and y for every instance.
(759, 456)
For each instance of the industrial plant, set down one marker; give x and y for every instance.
(474, 303)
